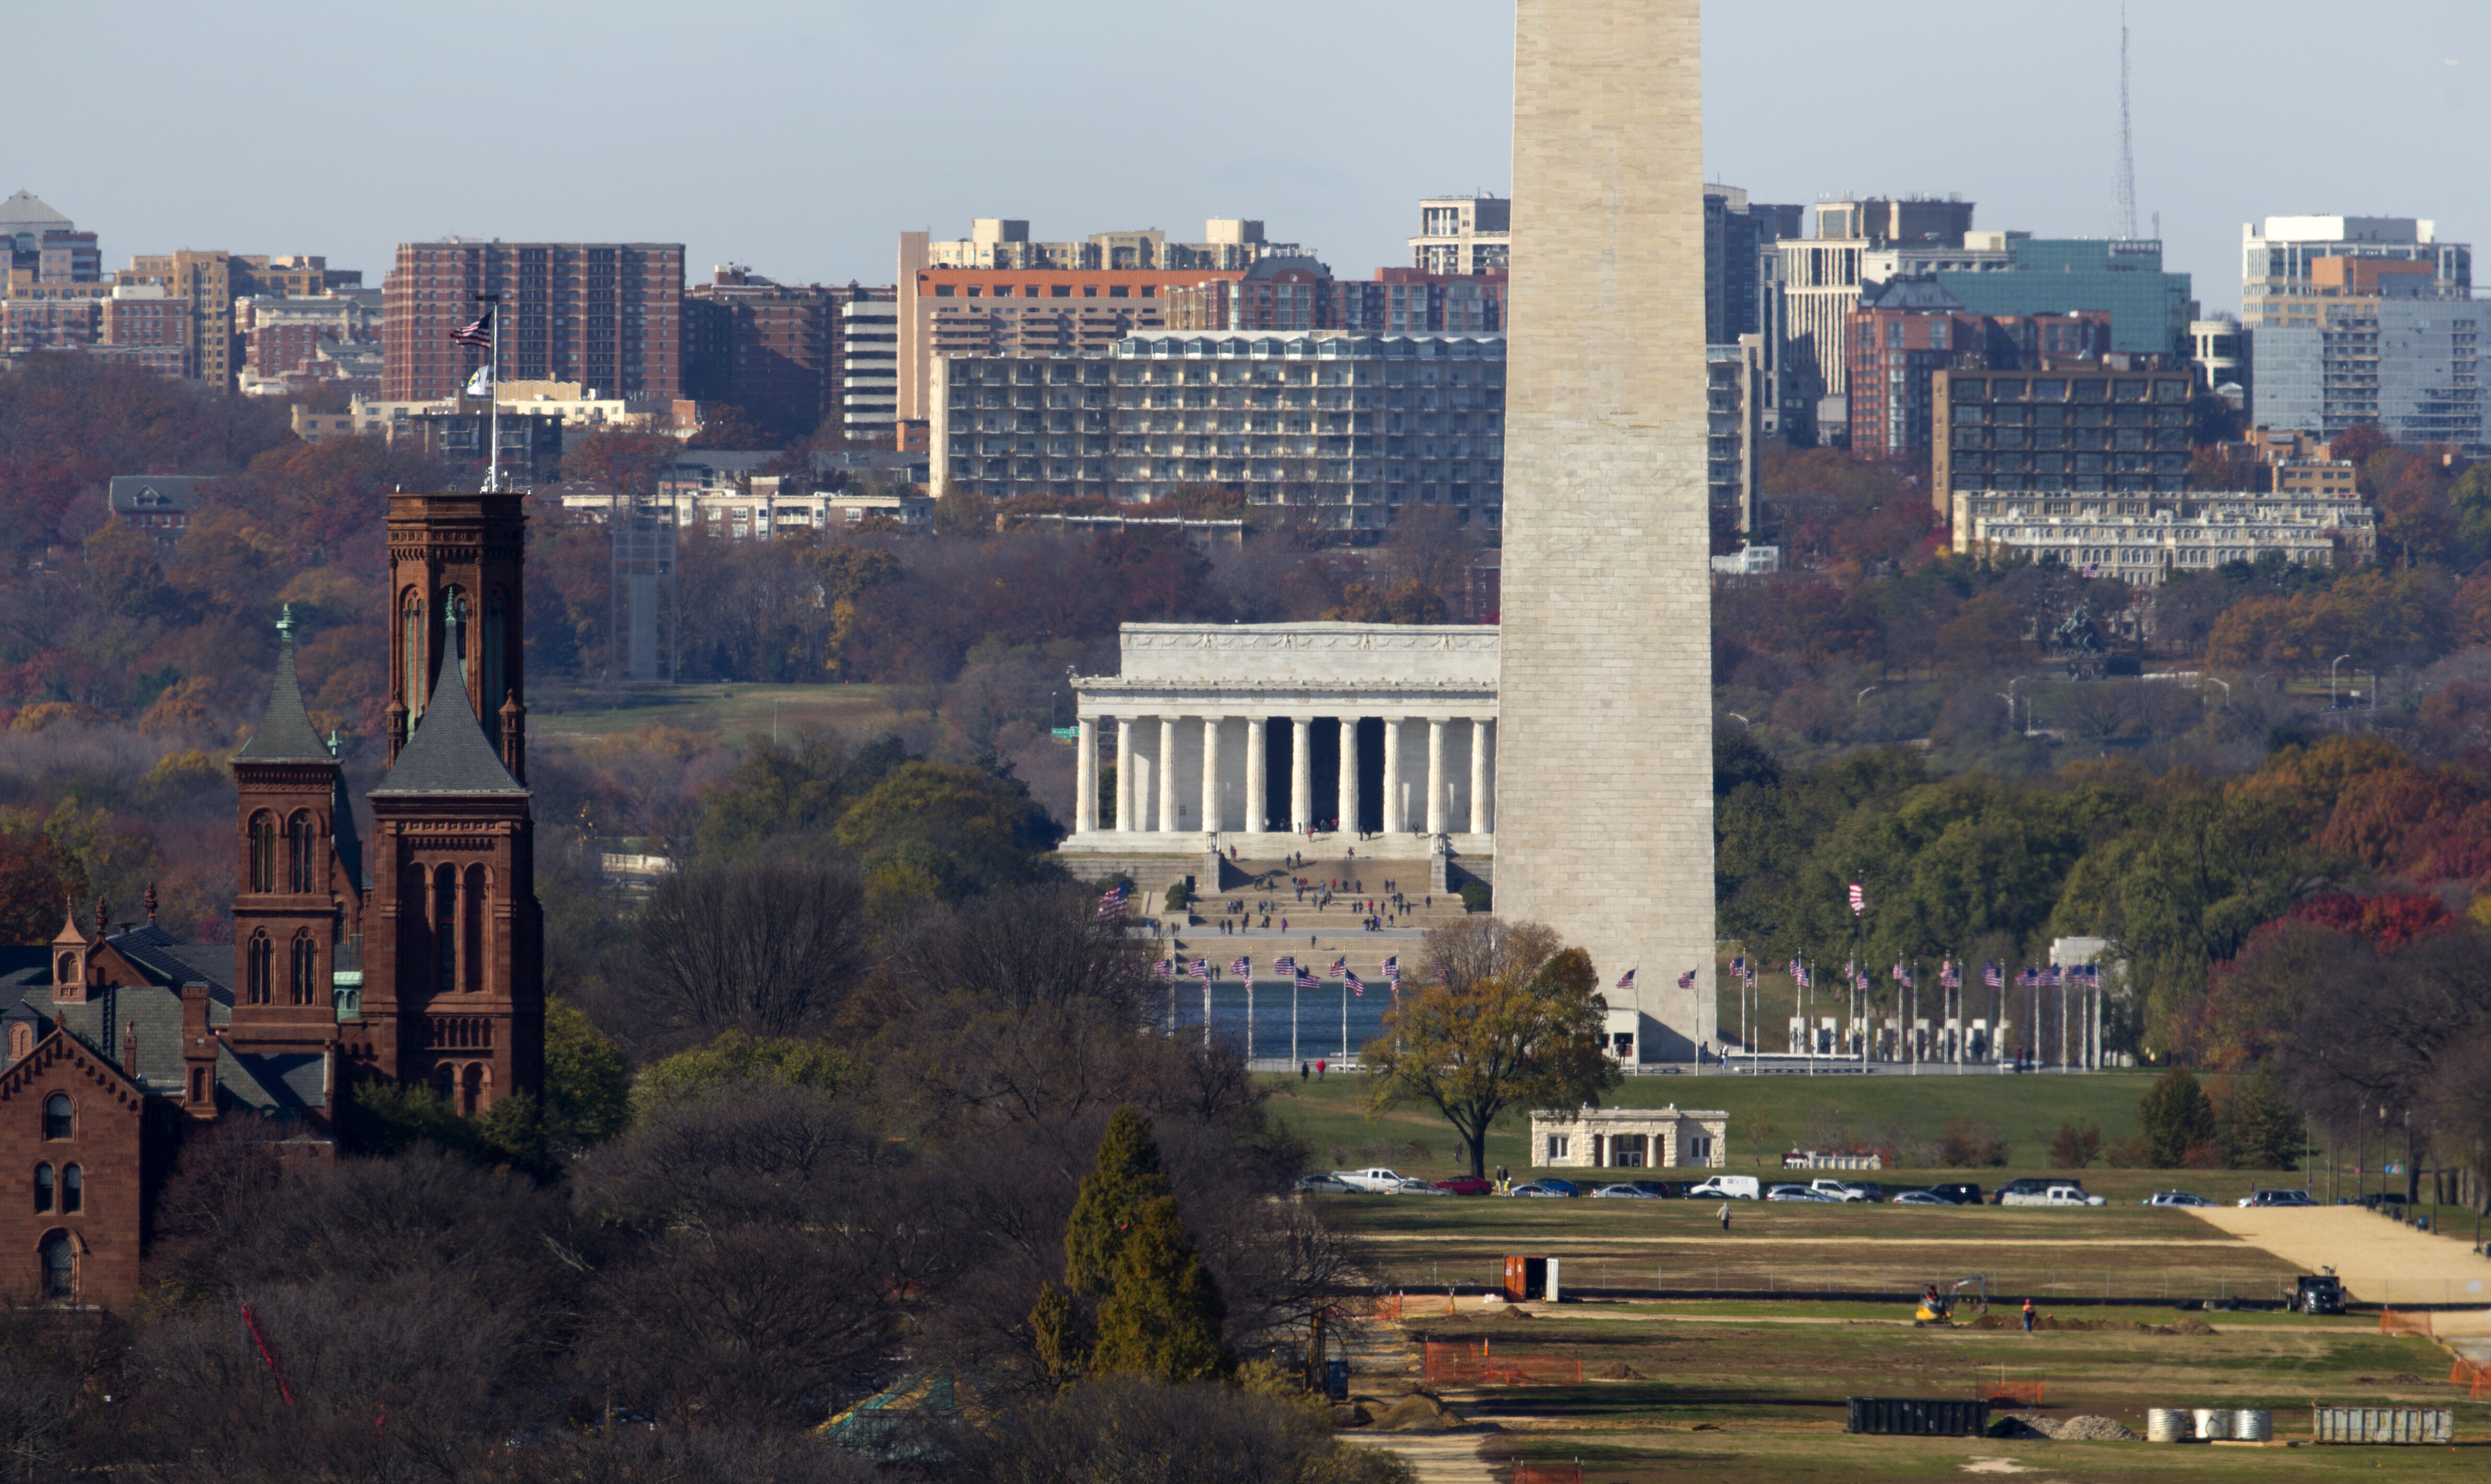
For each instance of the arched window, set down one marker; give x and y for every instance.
(470, 939)
(66, 971)
(258, 970)
(60, 1268)
(411, 655)
(446, 1077)
(303, 979)
(445, 930)
(43, 1188)
(60, 1116)
(263, 853)
(21, 1040)
(72, 1189)
(471, 1090)
(302, 842)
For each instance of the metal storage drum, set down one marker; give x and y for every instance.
(2254, 1425)
(2213, 1422)
(2166, 1424)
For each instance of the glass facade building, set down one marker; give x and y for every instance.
(2150, 310)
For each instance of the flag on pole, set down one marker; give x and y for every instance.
(1738, 966)
(1991, 976)
(1357, 986)
(2050, 978)
(1241, 967)
(1111, 903)
(481, 383)
(1859, 978)
(1201, 970)
(1751, 976)
(1859, 899)
(1626, 979)
(1393, 968)
(1950, 974)
(1340, 966)
(1164, 969)
(2030, 979)
(1686, 981)
(1901, 975)
(1306, 979)
(477, 332)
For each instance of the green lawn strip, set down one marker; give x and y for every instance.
(732, 711)
(1737, 1456)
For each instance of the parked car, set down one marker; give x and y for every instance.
(1957, 1193)
(1548, 1187)
(2174, 1197)
(1418, 1188)
(2288, 1195)
(2029, 1185)
(1372, 1180)
(1324, 1185)
(1921, 1198)
(1466, 1185)
(2057, 1193)
(1841, 1190)
(1632, 1190)
(1731, 1187)
(2319, 1294)
(1802, 1193)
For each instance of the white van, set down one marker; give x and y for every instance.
(2054, 1195)
(1727, 1188)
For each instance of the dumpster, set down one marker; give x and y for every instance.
(1918, 1417)
(1527, 1278)
(2383, 1424)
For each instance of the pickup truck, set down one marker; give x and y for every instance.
(1840, 1190)
(2052, 1195)
(1374, 1181)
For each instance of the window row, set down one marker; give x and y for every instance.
(65, 1191)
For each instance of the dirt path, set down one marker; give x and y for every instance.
(1439, 1458)
(2379, 1261)
(1774, 1239)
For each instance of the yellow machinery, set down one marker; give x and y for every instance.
(1937, 1307)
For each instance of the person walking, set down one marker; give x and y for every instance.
(2028, 1316)
(1301, 1071)
(1319, 1071)
(1726, 1218)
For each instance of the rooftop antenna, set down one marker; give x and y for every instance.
(2127, 149)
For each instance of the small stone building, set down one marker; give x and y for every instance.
(1629, 1138)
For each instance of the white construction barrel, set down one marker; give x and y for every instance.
(2252, 1425)
(2166, 1424)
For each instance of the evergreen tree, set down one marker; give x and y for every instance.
(1163, 1317)
(1113, 1197)
(2261, 1128)
(2173, 1117)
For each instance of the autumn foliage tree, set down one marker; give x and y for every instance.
(1512, 1019)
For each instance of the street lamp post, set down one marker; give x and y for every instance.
(2331, 701)
(2010, 704)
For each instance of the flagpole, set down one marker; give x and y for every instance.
(494, 393)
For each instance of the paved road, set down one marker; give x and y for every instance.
(2380, 1261)
(1437, 1458)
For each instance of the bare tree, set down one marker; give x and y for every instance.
(767, 946)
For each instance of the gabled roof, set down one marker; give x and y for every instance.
(61, 1045)
(448, 754)
(286, 732)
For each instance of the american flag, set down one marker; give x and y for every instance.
(1991, 976)
(1627, 980)
(2030, 979)
(477, 333)
(1201, 970)
(2050, 978)
(1111, 903)
(1859, 978)
(2093, 975)
(1686, 981)
(1164, 969)
(1751, 976)
(1393, 968)
(1859, 899)
(1949, 975)
(1738, 967)
(1242, 968)
(1340, 966)
(1902, 975)
(1799, 973)
(1357, 986)
(1306, 979)
(1285, 965)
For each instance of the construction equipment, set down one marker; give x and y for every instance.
(1937, 1307)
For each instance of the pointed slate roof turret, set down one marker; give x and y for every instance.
(448, 754)
(285, 732)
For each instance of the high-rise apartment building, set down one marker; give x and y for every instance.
(285, 333)
(608, 315)
(1351, 425)
(1275, 294)
(2373, 339)
(770, 348)
(2279, 255)
(211, 282)
(869, 369)
(1906, 330)
(997, 241)
(2219, 349)
(2109, 426)
(1463, 235)
(1738, 262)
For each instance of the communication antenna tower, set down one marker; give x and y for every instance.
(2126, 150)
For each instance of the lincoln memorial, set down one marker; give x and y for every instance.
(1227, 729)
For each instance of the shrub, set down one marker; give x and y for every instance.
(2175, 1117)
(1476, 896)
(2075, 1146)
(1969, 1142)
(1178, 894)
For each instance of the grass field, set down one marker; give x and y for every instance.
(730, 712)
(1757, 1392)
(2026, 1110)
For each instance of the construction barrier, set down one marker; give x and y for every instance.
(2382, 1424)
(1547, 1474)
(1405, 1306)
(1467, 1365)
(2021, 1394)
(2475, 1378)
(2396, 1321)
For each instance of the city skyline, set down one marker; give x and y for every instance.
(780, 185)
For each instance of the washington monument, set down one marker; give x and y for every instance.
(1604, 770)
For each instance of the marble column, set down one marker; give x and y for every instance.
(1167, 775)
(1210, 772)
(1258, 764)
(1396, 819)
(1348, 805)
(1085, 775)
(1302, 774)
(1127, 796)
(1480, 726)
(1435, 775)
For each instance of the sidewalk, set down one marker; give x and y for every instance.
(2380, 1261)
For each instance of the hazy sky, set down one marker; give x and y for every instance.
(799, 138)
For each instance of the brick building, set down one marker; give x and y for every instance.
(210, 282)
(422, 963)
(2117, 425)
(772, 349)
(1906, 328)
(610, 316)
